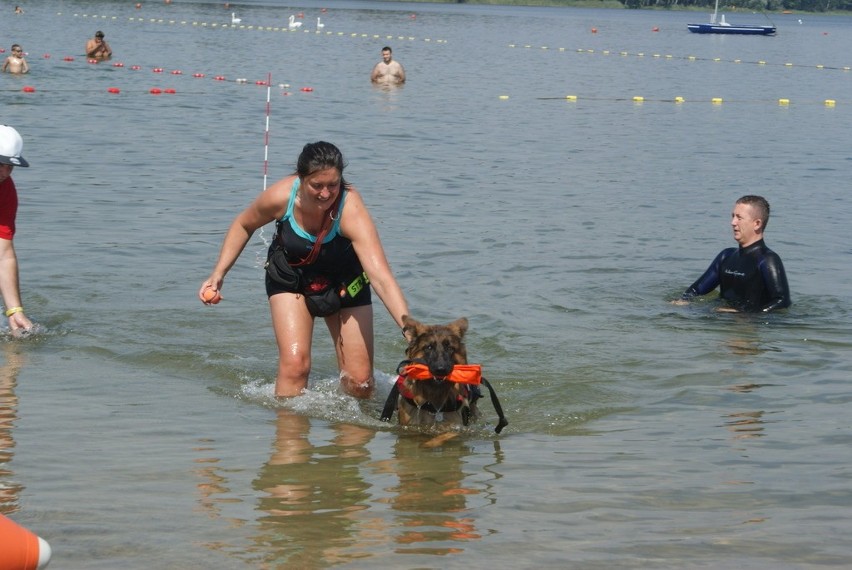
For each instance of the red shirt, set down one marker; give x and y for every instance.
(8, 209)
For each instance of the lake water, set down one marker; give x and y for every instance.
(139, 429)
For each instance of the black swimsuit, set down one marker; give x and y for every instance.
(749, 278)
(337, 264)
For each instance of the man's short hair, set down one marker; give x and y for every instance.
(761, 207)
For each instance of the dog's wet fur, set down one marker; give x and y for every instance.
(441, 347)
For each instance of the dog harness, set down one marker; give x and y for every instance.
(469, 374)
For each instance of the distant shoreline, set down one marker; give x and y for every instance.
(616, 5)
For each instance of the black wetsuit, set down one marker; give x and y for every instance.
(749, 278)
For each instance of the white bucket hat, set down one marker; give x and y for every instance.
(11, 145)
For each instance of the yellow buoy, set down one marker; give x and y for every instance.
(679, 99)
(571, 97)
(638, 98)
(504, 97)
(829, 102)
(783, 102)
(716, 100)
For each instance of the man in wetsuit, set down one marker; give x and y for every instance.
(750, 277)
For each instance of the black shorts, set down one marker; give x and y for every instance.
(364, 296)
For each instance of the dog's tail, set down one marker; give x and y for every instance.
(497, 407)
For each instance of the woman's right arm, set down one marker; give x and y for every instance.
(269, 206)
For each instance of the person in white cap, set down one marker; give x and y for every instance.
(11, 145)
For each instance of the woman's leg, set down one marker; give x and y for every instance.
(294, 327)
(352, 331)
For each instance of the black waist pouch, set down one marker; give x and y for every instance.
(323, 304)
(280, 271)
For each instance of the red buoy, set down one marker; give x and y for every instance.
(155, 91)
(28, 89)
(115, 90)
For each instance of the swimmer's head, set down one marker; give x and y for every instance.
(760, 207)
(99, 34)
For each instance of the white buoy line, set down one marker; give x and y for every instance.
(285, 27)
(683, 58)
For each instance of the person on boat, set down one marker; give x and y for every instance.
(11, 145)
(388, 71)
(16, 63)
(97, 47)
(750, 277)
(324, 257)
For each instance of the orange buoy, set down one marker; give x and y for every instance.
(68, 58)
(118, 64)
(22, 549)
(198, 75)
(135, 67)
(28, 89)
(260, 82)
(157, 70)
(307, 89)
(93, 61)
(594, 30)
(155, 91)
(219, 78)
(655, 29)
(177, 72)
(115, 90)
(170, 91)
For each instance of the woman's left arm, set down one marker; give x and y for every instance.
(357, 226)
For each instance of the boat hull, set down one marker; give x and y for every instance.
(731, 29)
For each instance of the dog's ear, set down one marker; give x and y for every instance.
(459, 326)
(409, 328)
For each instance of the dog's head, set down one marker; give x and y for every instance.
(439, 346)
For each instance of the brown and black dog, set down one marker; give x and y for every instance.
(437, 400)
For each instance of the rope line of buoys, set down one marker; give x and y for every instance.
(21, 549)
(159, 72)
(684, 58)
(638, 99)
(225, 25)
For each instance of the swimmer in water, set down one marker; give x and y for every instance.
(388, 71)
(750, 277)
(16, 63)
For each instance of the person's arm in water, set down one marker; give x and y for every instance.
(708, 281)
(775, 280)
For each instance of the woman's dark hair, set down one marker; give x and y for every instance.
(319, 156)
